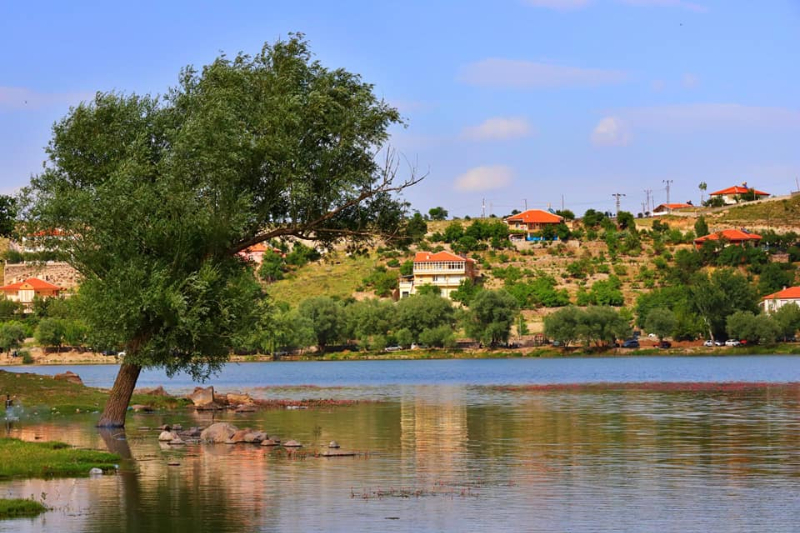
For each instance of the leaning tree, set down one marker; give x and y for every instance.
(153, 198)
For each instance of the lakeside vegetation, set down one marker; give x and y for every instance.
(20, 508)
(50, 459)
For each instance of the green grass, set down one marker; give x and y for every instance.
(44, 394)
(19, 508)
(778, 212)
(50, 459)
(337, 276)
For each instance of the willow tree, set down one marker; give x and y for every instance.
(155, 196)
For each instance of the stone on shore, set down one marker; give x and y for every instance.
(203, 397)
(270, 442)
(167, 436)
(139, 408)
(155, 391)
(292, 444)
(219, 432)
(238, 398)
(69, 377)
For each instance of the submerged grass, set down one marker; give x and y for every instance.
(20, 508)
(50, 459)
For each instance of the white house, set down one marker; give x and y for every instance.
(775, 301)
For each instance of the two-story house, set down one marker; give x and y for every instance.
(525, 224)
(443, 269)
(731, 194)
(25, 291)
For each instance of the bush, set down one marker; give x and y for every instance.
(27, 358)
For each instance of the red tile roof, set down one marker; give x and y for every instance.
(34, 283)
(535, 216)
(792, 293)
(427, 257)
(737, 189)
(733, 235)
(673, 206)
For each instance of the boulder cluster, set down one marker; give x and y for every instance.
(204, 399)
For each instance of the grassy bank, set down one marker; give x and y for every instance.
(19, 508)
(50, 459)
(43, 394)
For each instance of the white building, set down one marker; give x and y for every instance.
(775, 301)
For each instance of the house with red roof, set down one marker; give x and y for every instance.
(25, 291)
(445, 270)
(255, 253)
(739, 237)
(731, 195)
(775, 301)
(528, 222)
(665, 209)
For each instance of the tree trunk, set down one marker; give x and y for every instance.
(120, 396)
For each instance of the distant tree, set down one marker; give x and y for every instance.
(625, 220)
(8, 215)
(715, 201)
(788, 320)
(9, 309)
(453, 232)
(438, 213)
(272, 266)
(593, 218)
(326, 318)
(703, 187)
(563, 325)
(438, 337)
(700, 227)
(521, 326)
(774, 278)
(369, 317)
(566, 214)
(11, 336)
(407, 268)
(491, 315)
(466, 291)
(754, 328)
(563, 232)
(416, 228)
(50, 332)
(429, 289)
(718, 296)
(662, 322)
(383, 281)
(424, 311)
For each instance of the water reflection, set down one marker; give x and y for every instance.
(454, 458)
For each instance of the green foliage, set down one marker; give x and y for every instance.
(11, 336)
(580, 268)
(773, 278)
(491, 315)
(599, 325)
(429, 289)
(370, 317)
(662, 322)
(626, 220)
(453, 232)
(302, 255)
(716, 297)
(272, 266)
(50, 459)
(700, 227)
(592, 218)
(416, 228)
(407, 268)
(716, 201)
(17, 508)
(754, 328)
(9, 309)
(566, 214)
(158, 195)
(540, 292)
(8, 215)
(326, 319)
(606, 292)
(563, 232)
(438, 213)
(439, 337)
(788, 319)
(383, 281)
(51, 332)
(423, 312)
(466, 291)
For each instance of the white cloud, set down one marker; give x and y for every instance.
(16, 98)
(498, 72)
(498, 128)
(689, 81)
(560, 5)
(485, 178)
(610, 131)
(683, 4)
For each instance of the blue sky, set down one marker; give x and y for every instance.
(506, 101)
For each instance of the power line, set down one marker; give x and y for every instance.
(618, 195)
(668, 182)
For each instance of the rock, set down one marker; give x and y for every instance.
(167, 436)
(177, 427)
(239, 436)
(245, 408)
(192, 432)
(270, 442)
(177, 441)
(165, 427)
(69, 377)
(333, 444)
(292, 444)
(255, 437)
(157, 391)
(139, 408)
(218, 433)
(202, 397)
(237, 398)
(95, 472)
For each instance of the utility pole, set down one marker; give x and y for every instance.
(668, 183)
(526, 203)
(617, 195)
(483, 208)
(562, 203)
(648, 192)
(644, 209)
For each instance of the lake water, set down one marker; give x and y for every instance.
(457, 445)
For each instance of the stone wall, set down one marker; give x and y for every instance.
(58, 273)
